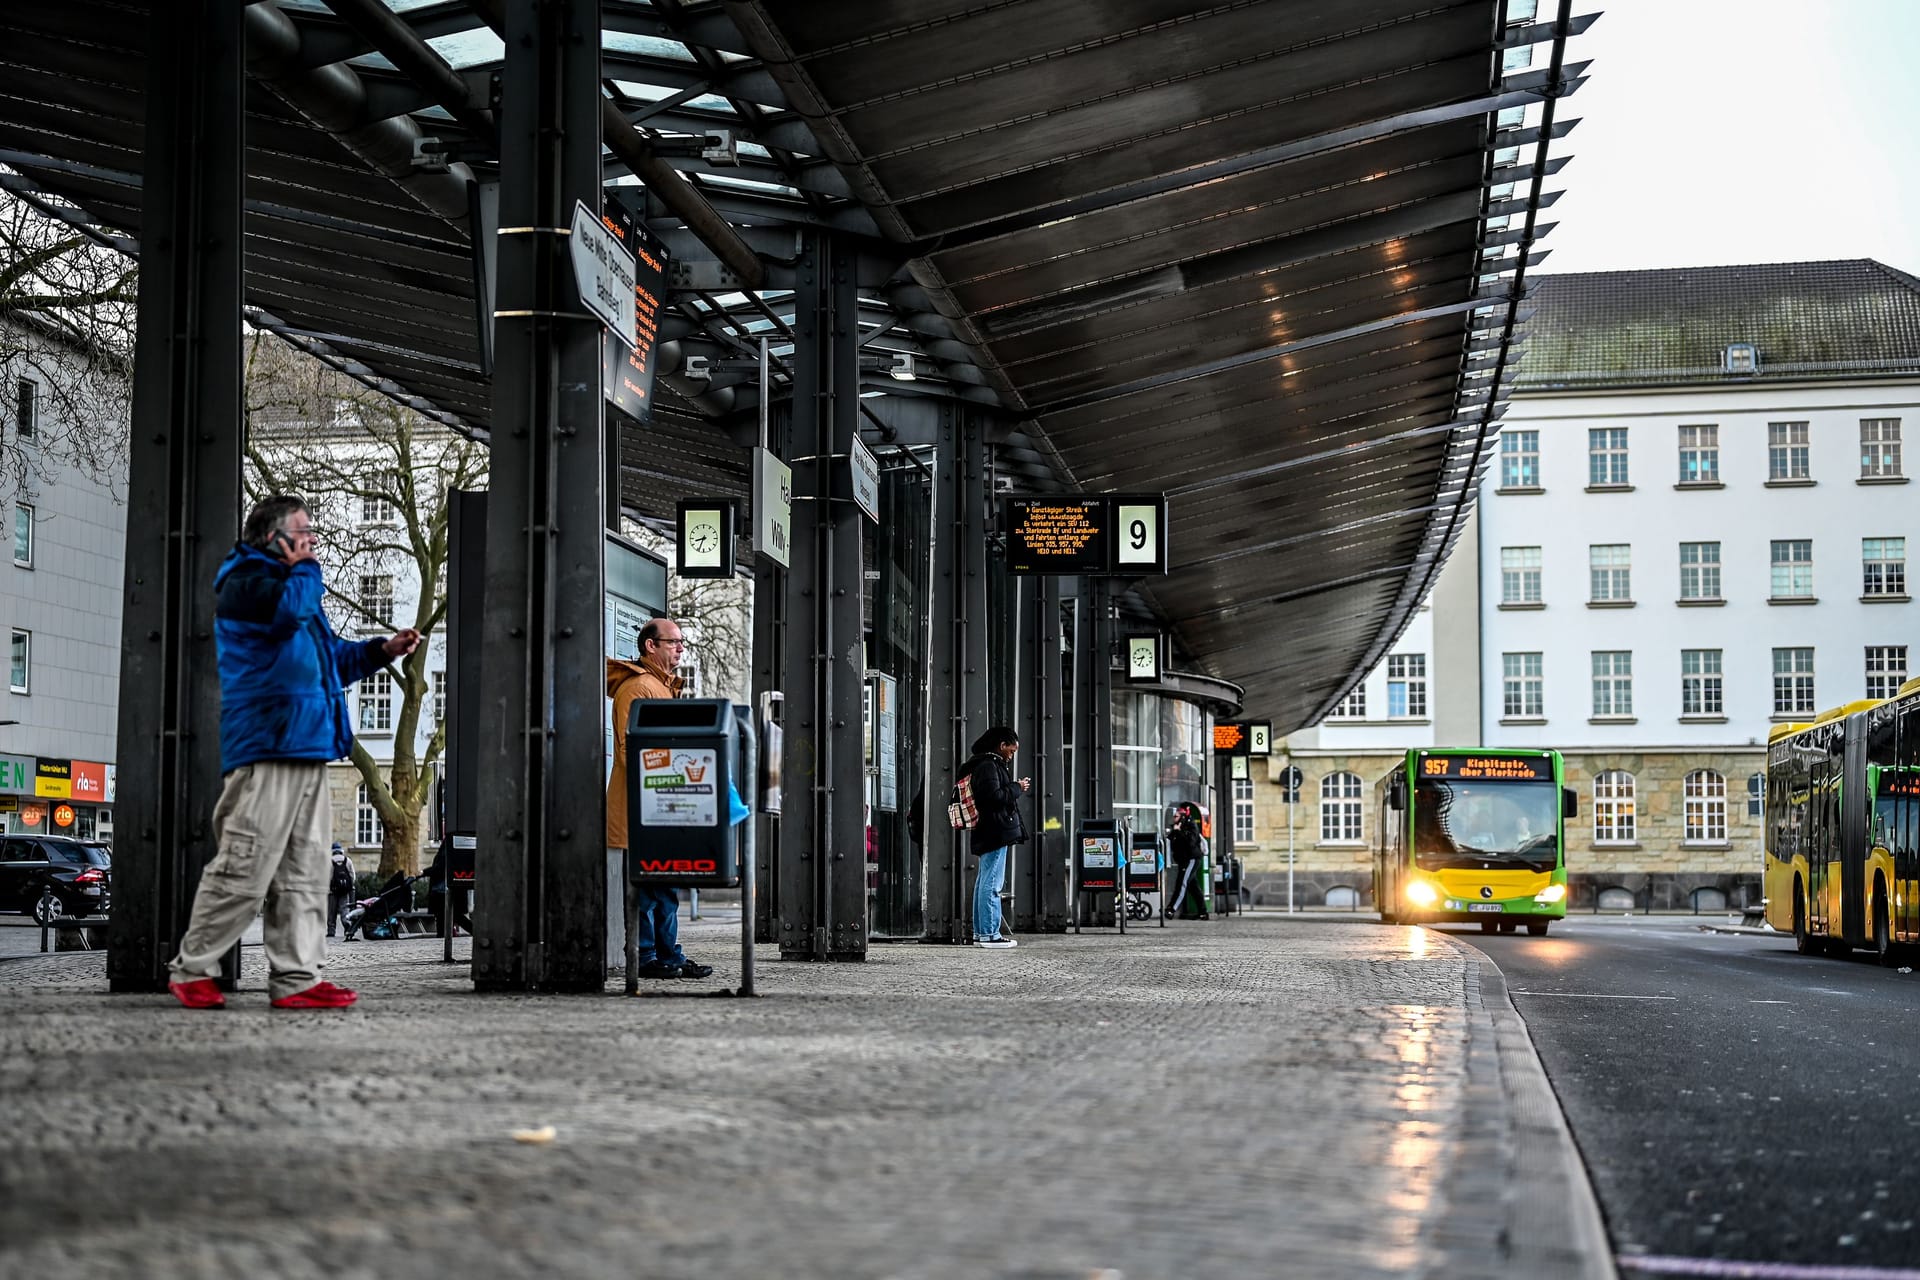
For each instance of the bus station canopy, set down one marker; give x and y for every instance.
(1267, 258)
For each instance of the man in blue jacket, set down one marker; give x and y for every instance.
(283, 719)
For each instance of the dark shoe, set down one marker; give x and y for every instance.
(201, 993)
(321, 995)
(657, 971)
(694, 969)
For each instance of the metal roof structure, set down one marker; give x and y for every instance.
(1265, 255)
(1854, 318)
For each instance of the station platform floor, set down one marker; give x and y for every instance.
(1249, 1097)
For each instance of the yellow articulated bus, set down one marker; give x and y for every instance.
(1842, 865)
(1473, 836)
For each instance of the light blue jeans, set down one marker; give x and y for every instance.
(986, 893)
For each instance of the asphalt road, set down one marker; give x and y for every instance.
(1733, 1100)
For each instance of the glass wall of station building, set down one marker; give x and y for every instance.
(1161, 749)
(898, 599)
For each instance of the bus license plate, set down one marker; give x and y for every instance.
(1485, 906)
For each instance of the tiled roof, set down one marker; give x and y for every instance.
(1807, 320)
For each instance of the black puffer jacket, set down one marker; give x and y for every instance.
(998, 797)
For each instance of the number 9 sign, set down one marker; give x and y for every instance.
(1139, 533)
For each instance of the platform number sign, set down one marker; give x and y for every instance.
(1139, 533)
(1259, 739)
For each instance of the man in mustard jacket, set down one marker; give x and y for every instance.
(657, 927)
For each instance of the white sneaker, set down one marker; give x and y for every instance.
(995, 942)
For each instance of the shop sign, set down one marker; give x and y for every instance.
(62, 816)
(53, 778)
(89, 781)
(16, 775)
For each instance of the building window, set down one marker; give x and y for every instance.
(1243, 811)
(1407, 685)
(376, 703)
(1351, 707)
(1700, 683)
(1699, 571)
(1704, 796)
(1792, 682)
(1886, 669)
(1613, 816)
(1613, 682)
(1606, 455)
(1521, 685)
(377, 508)
(1879, 448)
(23, 535)
(1519, 459)
(439, 697)
(376, 597)
(1883, 566)
(1610, 570)
(1519, 575)
(26, 409)
(367, 831)
(22, 661)
(1700, 455)
(1786, 451)
(1340, 808)
(1792, 568)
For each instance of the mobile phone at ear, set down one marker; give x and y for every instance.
(282, 545)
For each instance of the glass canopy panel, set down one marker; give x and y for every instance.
(473, 48)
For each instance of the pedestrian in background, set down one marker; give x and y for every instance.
(340, 888)
(997, 795)
(1188, 847)
(656, 919)
(283, 719)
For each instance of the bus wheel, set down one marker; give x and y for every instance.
(1488, 926)
(1803, 940)
(1508, 926)
(1882, 933)
(1536, 928)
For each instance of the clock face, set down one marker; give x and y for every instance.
(704, 537)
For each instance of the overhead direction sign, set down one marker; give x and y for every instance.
(1088, 534)
(602, 272)
(772, 507)
(864, 475)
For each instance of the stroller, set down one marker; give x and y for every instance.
(376, 916)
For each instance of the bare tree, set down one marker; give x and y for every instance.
(375, 476)
(66, 325)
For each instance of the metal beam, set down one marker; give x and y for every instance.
(541, 921)
(183, 487)
(1040, 866)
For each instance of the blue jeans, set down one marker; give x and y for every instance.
(656, 929)
(986, 893)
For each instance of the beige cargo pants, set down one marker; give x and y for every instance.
(272, 827)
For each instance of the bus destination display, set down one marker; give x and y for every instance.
(1488, 768)
(1057, 535)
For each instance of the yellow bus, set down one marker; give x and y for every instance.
(1842, 863)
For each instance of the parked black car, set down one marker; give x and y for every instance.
(52, 876)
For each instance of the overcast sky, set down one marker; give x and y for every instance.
(1725, 131)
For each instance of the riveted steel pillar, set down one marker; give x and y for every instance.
(769, 676)
(183, 489)
(1040, 880)
(1093, 714)
(822, 879)
(540, 919)
(957, 707)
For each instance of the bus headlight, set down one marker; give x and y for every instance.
(1552, 893)
(1422, 894)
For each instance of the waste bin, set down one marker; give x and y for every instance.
(1145, 863)
(1098, 869)
(683, 765)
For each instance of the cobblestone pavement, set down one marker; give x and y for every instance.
(1237, 1099)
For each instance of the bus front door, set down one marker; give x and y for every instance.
(1823, 781)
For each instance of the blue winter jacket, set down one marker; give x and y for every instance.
(281, 666)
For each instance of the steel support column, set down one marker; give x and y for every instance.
(1093, 714)
(769, 676)
(822, 879)
(1040, 885)
(540, 922)
(183, 488)
(957, 657)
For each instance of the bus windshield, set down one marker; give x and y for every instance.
(1485, 824)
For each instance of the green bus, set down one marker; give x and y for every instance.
(1473, 836)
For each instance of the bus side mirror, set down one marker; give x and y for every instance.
(1569, 803)
(1397, 794)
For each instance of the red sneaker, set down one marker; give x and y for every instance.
(201, 993)
(321, 995)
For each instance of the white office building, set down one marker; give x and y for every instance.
(1696, 528)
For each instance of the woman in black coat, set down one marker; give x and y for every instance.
(996, 795)
(1188, 847)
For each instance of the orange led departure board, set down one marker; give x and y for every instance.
(627, 373)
